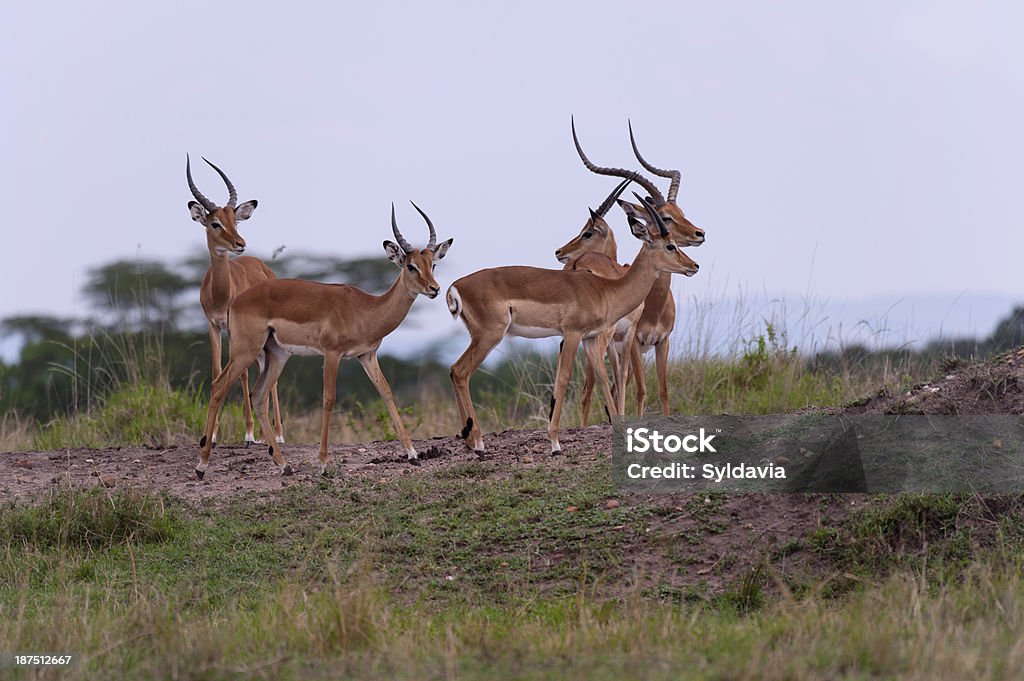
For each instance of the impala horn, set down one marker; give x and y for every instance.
(655, 216)
(603, 209)
(232, 195)
(675, 175)
(209, 205)
(430, 226)
(659, 199)
(405, 245)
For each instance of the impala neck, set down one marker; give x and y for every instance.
(220, 276)
(632, 288)
(391, 308)
(611, 249)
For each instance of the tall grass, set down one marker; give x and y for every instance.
(759, 371)
(908, 626)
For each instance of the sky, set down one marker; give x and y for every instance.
(857, 155)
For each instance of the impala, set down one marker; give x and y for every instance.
(226, 278)
(283, 317)
(594, 250)
(657, 320)
(531, 302)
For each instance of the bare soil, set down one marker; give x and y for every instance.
(744, 527)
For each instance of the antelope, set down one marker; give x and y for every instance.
(226, 278)
(594, 250)
(657, 320)
(278, 318)
(579, 306)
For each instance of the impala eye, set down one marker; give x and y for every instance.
(216, 225)
(412, 268)
(671, 247)
(666, 218)
(587, 235)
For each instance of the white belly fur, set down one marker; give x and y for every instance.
(299, 349)
(530, 331)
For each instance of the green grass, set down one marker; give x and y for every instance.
(479, 572)
(140, 414)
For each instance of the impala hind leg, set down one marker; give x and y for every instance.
(566, 357)
(274, 360)
(661, 356)
(376, 376)
(463, 368)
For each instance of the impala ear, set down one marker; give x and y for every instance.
(394, 252)
(197, 212)
(244, 211)
(597, 223)
(633, 211)
(441, 249)
(637, 226)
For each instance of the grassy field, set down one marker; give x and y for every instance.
(476, 573)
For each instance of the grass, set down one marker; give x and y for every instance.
(470, 573)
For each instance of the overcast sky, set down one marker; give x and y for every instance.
(840, 150)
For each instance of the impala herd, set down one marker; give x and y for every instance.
(621, 311)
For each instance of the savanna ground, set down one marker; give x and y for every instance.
(523, 566)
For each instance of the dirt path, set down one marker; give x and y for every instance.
(240, 470)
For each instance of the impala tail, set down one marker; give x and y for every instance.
(454, 301)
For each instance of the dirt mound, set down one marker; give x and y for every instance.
(994, 386)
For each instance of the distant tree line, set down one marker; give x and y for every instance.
(145, 324)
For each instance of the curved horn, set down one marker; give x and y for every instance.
(206, 203)
(406, 246)
(655, 216)
(617, 172)
(430, 225)
(603, 209)
(676, 176)
(232, 195)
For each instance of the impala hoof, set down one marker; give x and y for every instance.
(556, 452)
(414, 462)
(481, 455)
(287, 470)
(250, 443)
(200, 474)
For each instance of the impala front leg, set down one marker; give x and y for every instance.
(218, 392)
(250, 425)
(661, 358)
(629, 347)
(636, 360)
(566, 357)
(216, 358)
(278, 423)
(372, 369)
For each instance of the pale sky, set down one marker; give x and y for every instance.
(842, 151)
